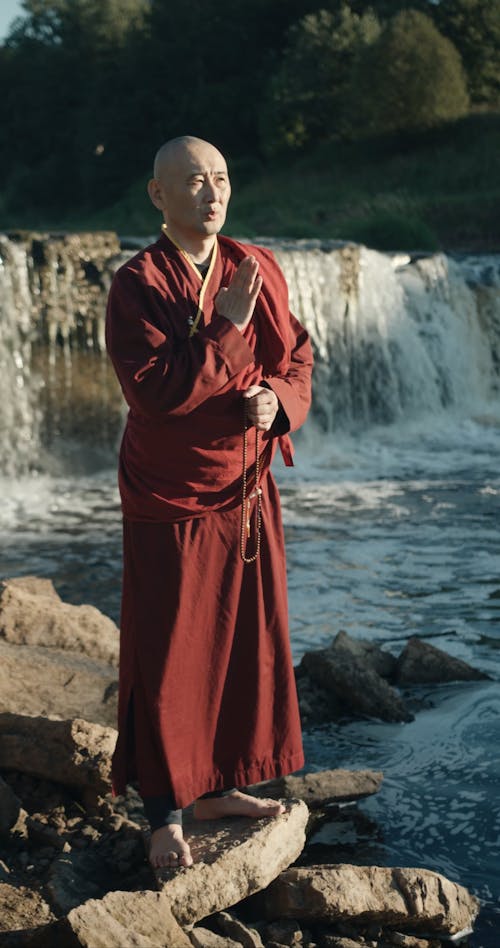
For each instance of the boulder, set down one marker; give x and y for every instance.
(42, 681)
(351, 686)
(119, 920)
(31, 613)
(368, 653)
(421, 662)
(326, 786)
(417, 899)
(76, 753)
(21, 908)
(233, 858)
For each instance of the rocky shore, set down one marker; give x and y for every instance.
(73, 863)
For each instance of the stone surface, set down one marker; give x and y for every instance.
(21, 908)
(326, 786)
(120, 920)
(243, 934)
(10, 808)
(350, 686)
(76, 753)
(31, 613)
(285, 932)
(421, 662)
(233, 859)
(368, 653)
(40, 681)
(205, 938)
(407, 898)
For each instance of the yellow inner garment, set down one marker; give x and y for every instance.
(205, 280)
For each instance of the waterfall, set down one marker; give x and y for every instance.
(395, 336)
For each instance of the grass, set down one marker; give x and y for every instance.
(438, 191)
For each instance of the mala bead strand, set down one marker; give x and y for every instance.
(246, 501)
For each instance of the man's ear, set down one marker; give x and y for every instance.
(155, 193)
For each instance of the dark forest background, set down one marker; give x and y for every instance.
(376, 122)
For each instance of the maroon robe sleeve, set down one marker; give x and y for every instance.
(161, 371)
(293, 389)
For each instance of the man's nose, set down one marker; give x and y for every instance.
(211, 190)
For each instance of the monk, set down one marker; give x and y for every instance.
(216, 372)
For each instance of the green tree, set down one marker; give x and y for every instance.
(410, 80)
(305, 96)
(474, 27)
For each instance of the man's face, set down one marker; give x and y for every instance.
(195, 190)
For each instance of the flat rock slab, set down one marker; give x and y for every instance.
(75, 753)
(36, 680)
(421, 662)
(119, 920)
(233, 858)
(326, 786)
(32, 613)
(417, 899)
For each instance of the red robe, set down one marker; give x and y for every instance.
(207, 692)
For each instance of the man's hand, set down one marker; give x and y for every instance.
(262, 406)
(237, 301)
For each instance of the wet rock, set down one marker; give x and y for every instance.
(120, 920)
(351, 686)
(232, 859)
(408, 898)
(35, 680)
(326, 786)
(75, 753)
(31, 613)
(421, 662)
(21, 908)
(368, 653)
(242, 934)
(11, 810)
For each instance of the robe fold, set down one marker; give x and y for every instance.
(207, 693)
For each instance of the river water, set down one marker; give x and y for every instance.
(391, 531)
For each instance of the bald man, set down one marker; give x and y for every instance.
(216, 371)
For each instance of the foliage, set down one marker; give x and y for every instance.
(474, 27)
(305, 96)
(410, 80)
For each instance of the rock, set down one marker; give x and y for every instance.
(120, 920)
(351, 686)
(11, 810)
(368, 653)
(408, 898)
(31, 613)
(76, 753)
(242, 934)
(421, 662)
(326, 786)
(21, 908)
(284, 932)
(232, 859)
(35, 680)
(204, 938)
(408, 941)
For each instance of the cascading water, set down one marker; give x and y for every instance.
(394, 338)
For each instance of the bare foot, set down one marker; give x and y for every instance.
(169, 849)
(236, 803)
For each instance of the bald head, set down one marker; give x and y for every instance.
(191, 188)
(173, 152)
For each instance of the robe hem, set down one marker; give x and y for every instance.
(223, 778)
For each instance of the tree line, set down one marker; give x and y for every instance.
(92, 87)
